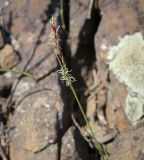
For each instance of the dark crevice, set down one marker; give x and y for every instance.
(82, 146)
(6, 29)
(85, 58)
(65, 11)
(51, 9)
(5, 91)
(85, 55)
(86, 48)
(46, 75)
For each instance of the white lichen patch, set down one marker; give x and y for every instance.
(126, 60)
(134, 108)
(103, 47)
(23, 87)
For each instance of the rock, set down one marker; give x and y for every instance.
(44, 61)
(129, 145)
(68, 150)
(34, 121)
(77, 21)
(119, 18)
(134, 108)
(5, 86)
(25, 85)
(36, 101)
(19, 154)
(39, 102)
(115, 106)
(125, 65)
(8, 57)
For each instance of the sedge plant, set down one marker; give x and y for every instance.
(68, 78)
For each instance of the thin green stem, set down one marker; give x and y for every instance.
(99, 146)
(62, 14)
(16, 71)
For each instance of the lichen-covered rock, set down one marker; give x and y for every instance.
(134, 108)
(24, 86)
(119, 18)
(126, 61)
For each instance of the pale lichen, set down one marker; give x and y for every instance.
(126, 60)
(134, 108)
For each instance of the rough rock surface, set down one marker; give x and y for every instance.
(34, 122)
(38, 110)
(130, 144)
(118, 19)
(8, 57)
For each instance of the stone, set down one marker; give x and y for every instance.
(129, 68)
(8, 57)
(68, 149)
(127, 146)
(34, 121)
(134, 108)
